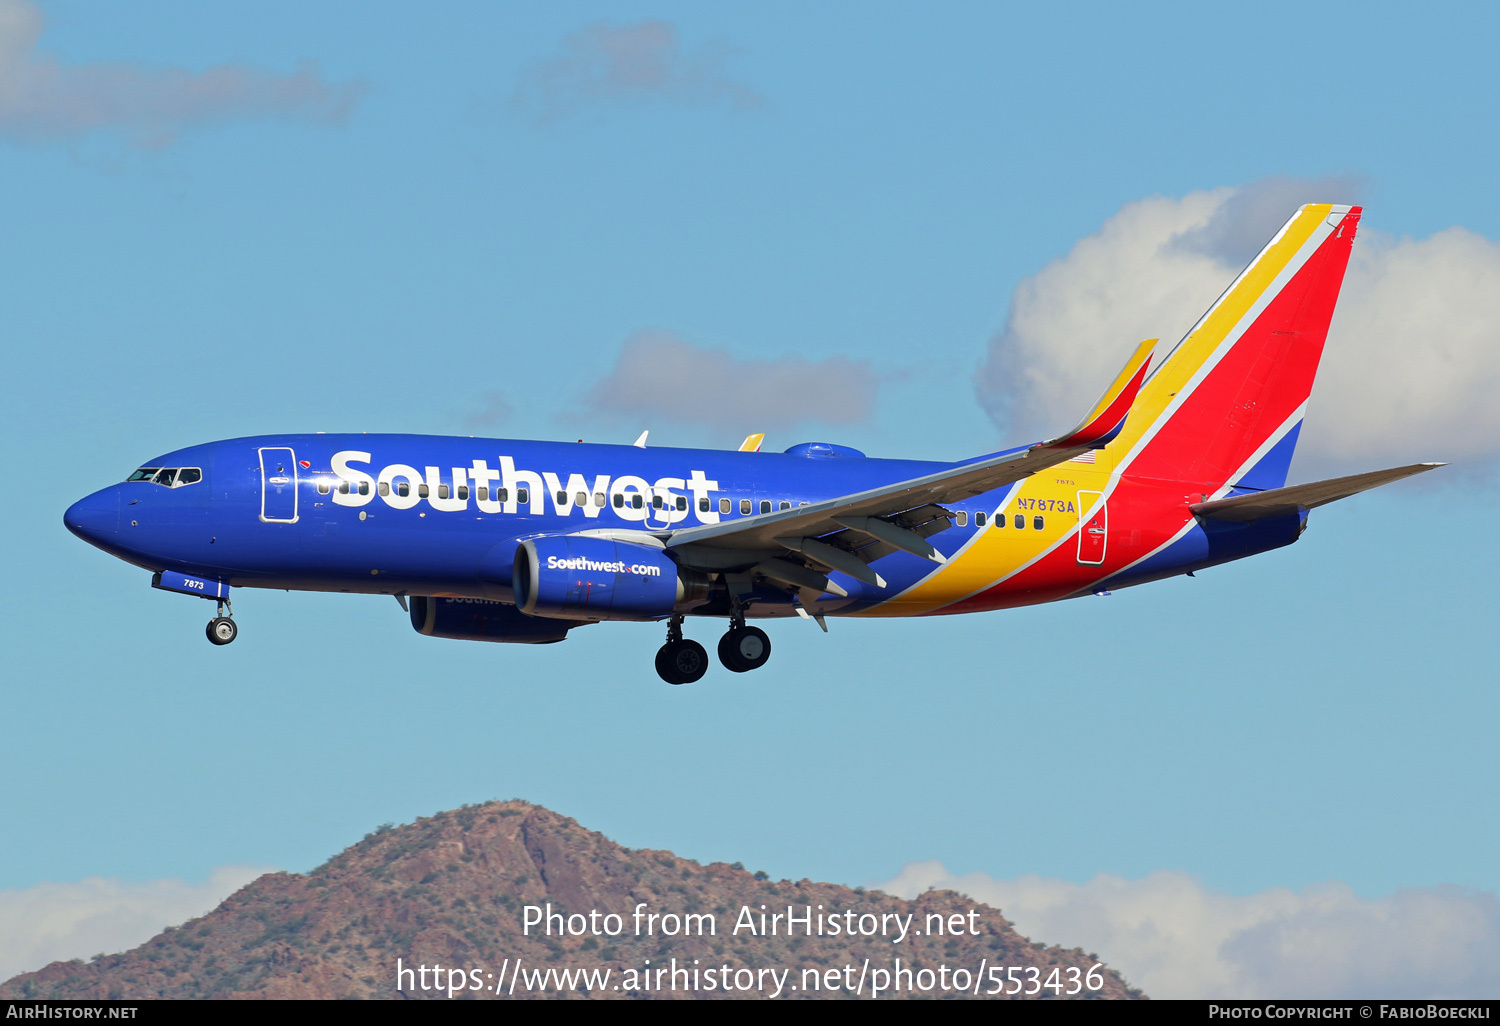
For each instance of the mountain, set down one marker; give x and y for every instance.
(451, 897)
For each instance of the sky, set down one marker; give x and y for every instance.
(923, 232)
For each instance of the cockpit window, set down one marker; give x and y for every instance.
(168, 477)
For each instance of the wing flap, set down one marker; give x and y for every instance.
(1280, 501)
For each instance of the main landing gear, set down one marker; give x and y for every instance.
(680, 660)
(742, 648)
(222, 629)
(683, 661)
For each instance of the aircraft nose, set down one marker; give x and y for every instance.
(95, 518)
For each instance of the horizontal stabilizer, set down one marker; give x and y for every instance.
(1280, 501)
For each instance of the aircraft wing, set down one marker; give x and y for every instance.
(914, 503)
(1280, 501)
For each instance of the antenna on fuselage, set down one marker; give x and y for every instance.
(640, 443)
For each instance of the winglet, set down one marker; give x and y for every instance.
(1107, 417)
(752, 442)
(640, 443)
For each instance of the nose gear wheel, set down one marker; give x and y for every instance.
(222, 630)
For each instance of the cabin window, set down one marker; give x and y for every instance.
(422, 491)
(765, 505)
(384, 488)
(723, 505)
(744, 505)
(637, 501)
(484, 493)
(599, 499)
(323, 487)
(364, 488)
(1038, 523)
(442, 491)
(463, 492)
(523, 496)
(582, 498)
(1000, 520)
(619, 501)
(343, 487)
(656, 502)
(979, 519)
(785, 504)
(682, 503)
(963, 518)
(502, 494)
(144, 474)
(1020, 522)
(704, 504)
(562, 497)
(189, 475)
(403, 489)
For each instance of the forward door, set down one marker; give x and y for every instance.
(278, 486)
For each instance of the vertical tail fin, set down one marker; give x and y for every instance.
(1225, 406)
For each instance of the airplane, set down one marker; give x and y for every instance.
(524, 541)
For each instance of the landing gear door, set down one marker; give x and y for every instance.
(278, 486)
(1093, 528)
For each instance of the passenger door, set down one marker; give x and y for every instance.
(278, 486)
(1093, 531)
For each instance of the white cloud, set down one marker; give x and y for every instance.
(660, 377)
(609, 63)
(1413, 356)
(61, 921)
(42, 98)
(1174, 938)
(496, 411)
(1413, 361)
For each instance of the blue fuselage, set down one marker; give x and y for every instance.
(436, 515)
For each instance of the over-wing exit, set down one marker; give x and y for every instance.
(518, 541)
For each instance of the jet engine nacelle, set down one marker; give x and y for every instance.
(483, 620)
(588, 577)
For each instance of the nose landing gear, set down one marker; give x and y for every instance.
(680, 660)
(222, 629)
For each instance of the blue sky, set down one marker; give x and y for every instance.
(453, 228)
